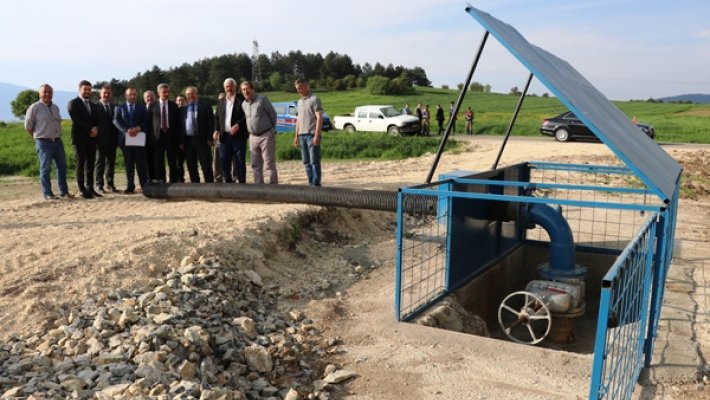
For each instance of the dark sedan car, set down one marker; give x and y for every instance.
(567, 126)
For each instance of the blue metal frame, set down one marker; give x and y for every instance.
(540, 200)
(632, 290)
(606, 169)
(398, 262)
(532, 186)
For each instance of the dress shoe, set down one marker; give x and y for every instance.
(66, 195)
(50, 197)
(112, 189)
(95, 194)
(129, 191)
(87, 195)
(100, 189)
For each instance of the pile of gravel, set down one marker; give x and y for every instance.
(205, 331)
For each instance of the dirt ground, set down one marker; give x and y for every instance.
(337, 264)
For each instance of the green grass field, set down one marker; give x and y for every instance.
(679, 123)
(18, 156)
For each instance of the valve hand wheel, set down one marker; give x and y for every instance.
(524, 318)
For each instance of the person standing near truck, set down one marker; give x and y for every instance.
(309, 124)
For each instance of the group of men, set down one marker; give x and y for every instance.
(424, 116)
(161, 129)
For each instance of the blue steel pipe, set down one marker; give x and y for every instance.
(562, 254)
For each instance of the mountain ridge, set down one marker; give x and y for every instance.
(698, 98)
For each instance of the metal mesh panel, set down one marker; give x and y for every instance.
(622, 319)
(423, 253)
(610, 228)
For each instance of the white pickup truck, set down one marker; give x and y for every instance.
(378, 119)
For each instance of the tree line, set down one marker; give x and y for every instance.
(333, 71)
(277, 72)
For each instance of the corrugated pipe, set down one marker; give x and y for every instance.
(300, 194)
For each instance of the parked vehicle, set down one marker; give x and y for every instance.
(567, 126)
(378, 119)
(286, 113)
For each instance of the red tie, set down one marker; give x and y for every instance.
(164, 118)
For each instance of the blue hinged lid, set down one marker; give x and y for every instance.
(644, 157)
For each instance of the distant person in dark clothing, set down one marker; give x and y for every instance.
(440, 118)
(418, 111)
(453, 116)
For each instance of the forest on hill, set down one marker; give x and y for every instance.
(332, 72)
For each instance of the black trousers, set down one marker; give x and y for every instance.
(105, 161)
(232, 150)
(162, 146)
(84, 159)
(135, 160)
(198, 151)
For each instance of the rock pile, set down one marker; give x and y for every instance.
(206, 331)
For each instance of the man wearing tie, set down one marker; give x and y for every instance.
(131, 120)
(231, 131)
(107, 141)
(168, 137)
(152, 125)
(83, 139)
(199, 125)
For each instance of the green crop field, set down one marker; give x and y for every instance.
(680, 123)
(675, 123)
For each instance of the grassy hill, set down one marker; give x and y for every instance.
(688, 123)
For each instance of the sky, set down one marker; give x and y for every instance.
(628, 49)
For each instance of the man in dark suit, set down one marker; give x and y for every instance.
(107, 141)
(231, 131)
(168, 137)
(152, 126)
(131, 120)
(199, 125)
(83, 139)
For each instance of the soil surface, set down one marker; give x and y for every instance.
(335, 264)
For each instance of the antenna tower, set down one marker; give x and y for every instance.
(255, 68)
